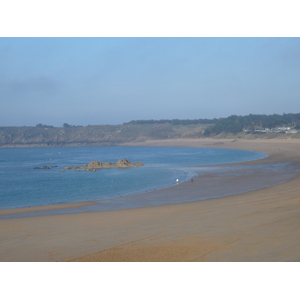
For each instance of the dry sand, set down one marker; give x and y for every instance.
(261, 225)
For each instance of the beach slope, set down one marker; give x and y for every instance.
(260, 225)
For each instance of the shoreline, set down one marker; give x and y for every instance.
(259, 225)
(14, 212)
(21, 210)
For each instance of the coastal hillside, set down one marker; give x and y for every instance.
(97, 135)
(248, 127)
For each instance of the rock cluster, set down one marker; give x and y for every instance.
(95, 165)
(46, 167)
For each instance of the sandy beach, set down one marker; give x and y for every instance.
(260, 225)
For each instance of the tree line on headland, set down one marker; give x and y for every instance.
(173, 121)
(253, 123)
(104, 135)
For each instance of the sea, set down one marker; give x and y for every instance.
(24, 184)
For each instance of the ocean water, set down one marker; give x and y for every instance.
(23, 186)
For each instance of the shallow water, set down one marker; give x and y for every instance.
(23, 186)
(212, 182)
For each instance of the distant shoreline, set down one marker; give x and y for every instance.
(214, 142)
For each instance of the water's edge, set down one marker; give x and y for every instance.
(187, 191)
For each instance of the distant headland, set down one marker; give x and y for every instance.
(247, 127)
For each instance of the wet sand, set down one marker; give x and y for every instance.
(260, 225)
(14, 211)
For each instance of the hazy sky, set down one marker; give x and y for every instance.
(84, 81)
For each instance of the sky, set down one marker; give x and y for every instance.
(111, 80)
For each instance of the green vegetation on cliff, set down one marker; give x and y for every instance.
(173, 122)
(97, 135)
(253, 124)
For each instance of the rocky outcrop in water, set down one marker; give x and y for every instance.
(46, 167)
(96, 165)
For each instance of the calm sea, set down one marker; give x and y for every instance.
(23, 186)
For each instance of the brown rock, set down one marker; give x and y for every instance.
(96, 165)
